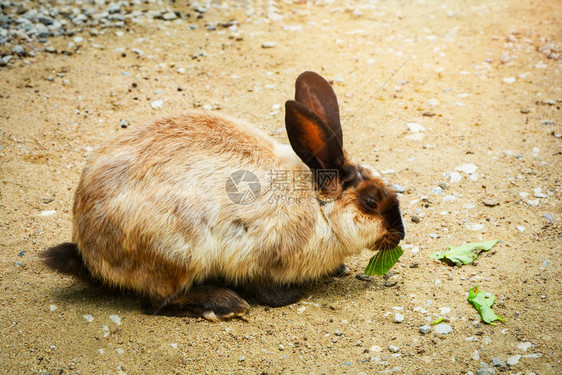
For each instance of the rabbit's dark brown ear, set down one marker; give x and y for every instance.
(316, 94)
(311, 138)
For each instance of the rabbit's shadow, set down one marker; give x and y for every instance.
(92, 297)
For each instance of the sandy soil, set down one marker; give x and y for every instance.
(491, 113)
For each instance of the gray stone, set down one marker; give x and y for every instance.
(278, 131)
(547, 122)
(392, 281)
(199, 9)
(79, 19)
(490, 201)
(114, 8)
(398, 318)
(497, 362)
(169, 16)
(424, 330)
(486, 371)
(25, 25)
(443, 329)
(30, 15)
(55, 27)
(5, 60)
(45, 20)
(398, 188)
(42, 30)
(18, 50)
(394, 349)
(116, 17)
(513, 360)
(549, 217)
(533, 356)
(436, 190)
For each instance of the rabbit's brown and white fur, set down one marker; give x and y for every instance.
(152, 214)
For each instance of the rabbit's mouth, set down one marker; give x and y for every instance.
(389, 241)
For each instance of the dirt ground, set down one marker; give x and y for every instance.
(476, 78)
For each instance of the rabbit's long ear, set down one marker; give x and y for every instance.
(316, 94)
(311, 138)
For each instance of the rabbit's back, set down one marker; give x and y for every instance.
(152, 212)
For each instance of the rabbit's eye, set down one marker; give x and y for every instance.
(371, 203)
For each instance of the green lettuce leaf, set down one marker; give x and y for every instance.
(383, 261)
(483, 303)
(464, 254)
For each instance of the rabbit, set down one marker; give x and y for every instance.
(157, 211)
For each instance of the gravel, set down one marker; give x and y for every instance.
(28, 21)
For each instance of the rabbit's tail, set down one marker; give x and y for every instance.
(66, 259)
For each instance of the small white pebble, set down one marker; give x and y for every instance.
(508, 80)
(398, 318)
(157, 104)
(115, 319)
(269, 45)
(520, 228)
(88, 317)
(444, 310)
(467, 168)
(475, 355)
(537, 192)
(524, 346)
(119, 351)
(52, 307)
(449, 198)
(475, 227)
(453, 177)
(414, 127)
(105, 330)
